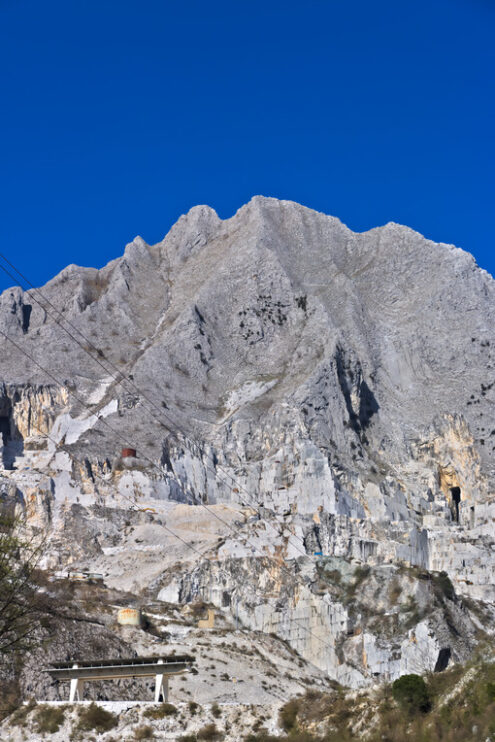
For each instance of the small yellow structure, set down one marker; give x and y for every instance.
(209, 621)
(129, 617)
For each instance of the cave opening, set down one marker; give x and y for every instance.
(12, 443)
(443, 659)
(456, 498)
(5, 429)
(26, 317)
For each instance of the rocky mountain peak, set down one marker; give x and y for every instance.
(312, 409)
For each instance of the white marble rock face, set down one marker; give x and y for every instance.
(312, 409)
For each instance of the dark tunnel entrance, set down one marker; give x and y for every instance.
(5, 429)
(443, 658)
(11, 442)
(456, 498)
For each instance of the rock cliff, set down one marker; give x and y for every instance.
(312, 411)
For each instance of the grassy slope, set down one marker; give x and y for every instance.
(462, 708)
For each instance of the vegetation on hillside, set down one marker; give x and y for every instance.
(19, 603)
(458, 704)
(451, 706)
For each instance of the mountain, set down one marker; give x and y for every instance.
(312, 411)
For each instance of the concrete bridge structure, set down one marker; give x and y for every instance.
(161, 668)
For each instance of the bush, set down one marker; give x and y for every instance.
(193, 707)
(443, 587)
(216, 710)
(360, 575)
(198, 609)
(19, 717)
(159, 712)
(304, 736)
(411, 693)
(49, 719)
(297, 735)
(395, 591)
(210, 733)
(10, 698)
(490, 691)
(288, 715)
(96, 717)
(143, 732)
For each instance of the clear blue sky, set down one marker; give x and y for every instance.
(119, 115)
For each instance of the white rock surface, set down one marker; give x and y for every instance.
(300, 396)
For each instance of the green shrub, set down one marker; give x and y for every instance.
(490, 691)
(216, 710)
(49, 719)
(143, 732)
(394, 592)
(10, 699)
(442, 586)
(96, 717)
(193, 707)
(159, 712)
(288, 715)
(304, 736)
(360, 574)
(297, 735)
(332, 575)
(411, 693)
(210, 733)
(415, 615)
(19, 717)
(198, 609)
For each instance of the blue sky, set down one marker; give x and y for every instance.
(119, 116)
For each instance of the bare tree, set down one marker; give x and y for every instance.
(20, 552)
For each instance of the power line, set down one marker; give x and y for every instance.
(124, 497)
(201, 554)
(99, 417)
(102, 419)
(292, 577)
(141, 394)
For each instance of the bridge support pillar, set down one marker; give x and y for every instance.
(161, 686)
(76, 688)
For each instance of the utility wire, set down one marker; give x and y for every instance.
(121, 495)
(121, 378)
(99, 417)
(292, 576)
(102, 419)
(201, 554)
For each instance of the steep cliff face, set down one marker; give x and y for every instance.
(304, 401)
